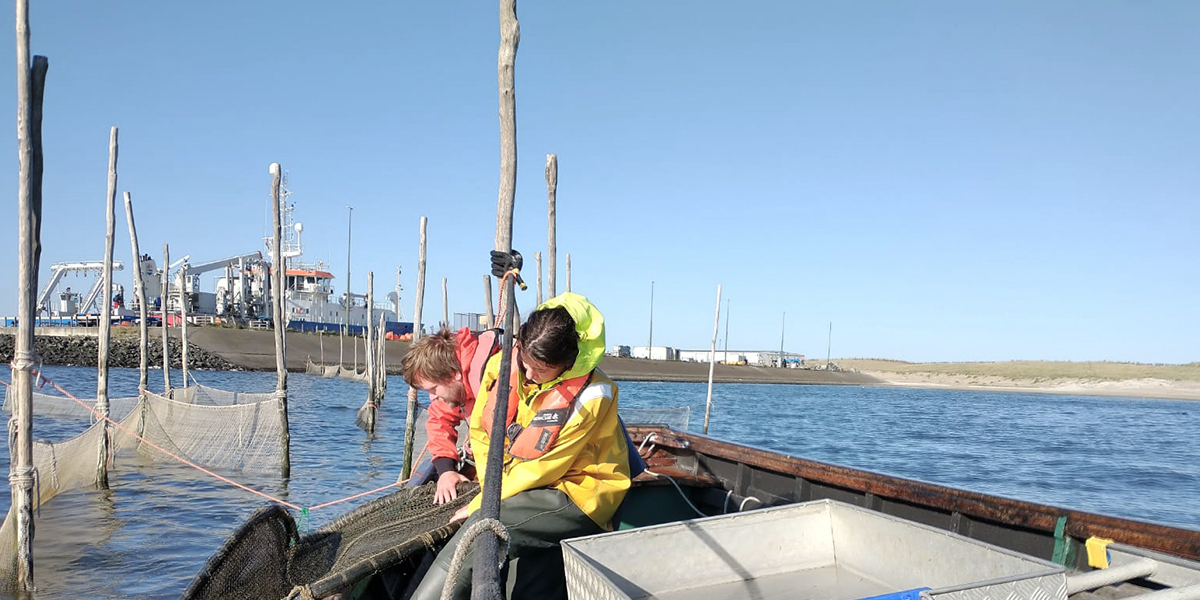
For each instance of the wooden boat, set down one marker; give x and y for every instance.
(1145, 560)
(934, 542)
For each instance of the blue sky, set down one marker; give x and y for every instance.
(939, 180)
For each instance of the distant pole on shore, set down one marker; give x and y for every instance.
(829, 344)
(727, 329)
(279, 321)
(552, 248)
(782, 330)
(568, 272)
(650, 344)
(346, 318)
(712, 359)
(445, 306)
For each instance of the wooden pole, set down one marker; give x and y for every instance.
(105, 313)
(367, 412)
(487, 299)
(486, 582)
(410, 422)
(568, 271)
(30, 86)
(552, 191)
(712, 359)
(537, 256)
(727, 330)
(162, 303)
(278, 324)
(381, 370)
(782, 330)
(346, 318)
(445, 306)
(183, 320)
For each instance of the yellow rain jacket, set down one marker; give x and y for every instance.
(589, 461)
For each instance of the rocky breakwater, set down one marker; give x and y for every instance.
(83, 350)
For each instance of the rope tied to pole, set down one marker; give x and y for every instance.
(464, 545)
(502, 297)
(28, 360)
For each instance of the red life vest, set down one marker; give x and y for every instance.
(487, 345)
(534, 440)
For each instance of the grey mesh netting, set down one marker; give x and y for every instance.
(226, 430)
(331, 371)
(268, 559)
(675, 417)
(61, 406)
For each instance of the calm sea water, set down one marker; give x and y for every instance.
(151, 532)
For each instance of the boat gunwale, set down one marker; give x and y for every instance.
(1006, 512)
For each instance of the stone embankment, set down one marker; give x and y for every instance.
(123, 351)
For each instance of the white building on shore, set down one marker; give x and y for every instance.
(760, 358)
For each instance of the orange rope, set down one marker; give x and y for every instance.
(503, 305)
(212, 474)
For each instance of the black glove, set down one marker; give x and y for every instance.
(503, 262)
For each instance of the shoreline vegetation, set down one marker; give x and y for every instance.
(226, 348)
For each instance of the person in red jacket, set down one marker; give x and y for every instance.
(448, 366)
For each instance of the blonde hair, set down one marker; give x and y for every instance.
(431, 359)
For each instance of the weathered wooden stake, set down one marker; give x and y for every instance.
(381, 353)
(552, 252)
(277, 320)
(486, 582)
(410, 423)
(162, 302)
(712, 358)
(366, 414)
(105, 313)
(537, 256)
(183, 320)
(445, 306)
(487, 299)
(30, 86)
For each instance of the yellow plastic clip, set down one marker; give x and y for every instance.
(517, 278)
(1097, 550)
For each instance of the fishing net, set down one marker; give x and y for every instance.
(222, 430)
(202, 394)
(331, 371)
(675, 417)
(268, 559)
(352, 375)
(61, 406)
(312, 368)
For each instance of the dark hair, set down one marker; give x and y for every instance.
(549, 336)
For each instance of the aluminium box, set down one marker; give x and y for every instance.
(819, 550)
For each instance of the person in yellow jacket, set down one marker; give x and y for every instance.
(566, 463)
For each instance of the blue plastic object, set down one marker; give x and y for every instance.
(913, 594)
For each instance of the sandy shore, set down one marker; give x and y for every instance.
(1132, 388)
